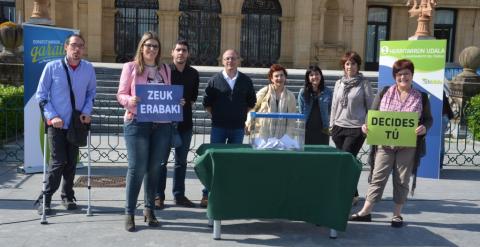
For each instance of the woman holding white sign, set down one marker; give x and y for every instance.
(148, 143)
(401, 162)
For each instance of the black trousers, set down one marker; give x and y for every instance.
(349, 140)
(63, 162)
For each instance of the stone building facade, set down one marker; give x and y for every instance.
(295, 33)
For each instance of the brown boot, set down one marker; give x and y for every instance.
(130, 223)
(204, 202)
(149, 217)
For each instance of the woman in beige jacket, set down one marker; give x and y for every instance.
(272, 98)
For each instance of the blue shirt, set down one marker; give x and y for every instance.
(54, 90)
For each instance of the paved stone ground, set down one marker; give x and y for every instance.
(442, 213)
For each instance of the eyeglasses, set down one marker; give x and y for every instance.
(151, 46)
(75, 45)
(230, 58)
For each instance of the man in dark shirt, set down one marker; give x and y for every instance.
(228, 98)
(182, 74)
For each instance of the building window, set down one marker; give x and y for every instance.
(444, 28)
(261, 32)
(133, 18)
(199, 24)
(378, 28)
(7, 11)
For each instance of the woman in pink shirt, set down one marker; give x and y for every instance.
(401, 162)
(147, 142)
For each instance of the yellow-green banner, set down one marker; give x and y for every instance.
(392, 128)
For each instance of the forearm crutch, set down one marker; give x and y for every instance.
(43, 219)
(89, 143)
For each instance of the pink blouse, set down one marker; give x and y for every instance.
(391, 101)
(128, 80)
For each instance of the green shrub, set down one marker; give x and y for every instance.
(11, 112)
(472, 113)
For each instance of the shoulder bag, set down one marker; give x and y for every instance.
(77, 131)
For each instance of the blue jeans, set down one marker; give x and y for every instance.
(147, 146)
(179, 170)
(445, 122)
(224, 135)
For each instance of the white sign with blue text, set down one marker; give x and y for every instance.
(159, 103)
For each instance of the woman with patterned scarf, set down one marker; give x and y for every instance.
(352, 98)
(274, 97)
(401, 162)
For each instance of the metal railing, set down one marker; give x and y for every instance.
(460, 146)
(108, 143)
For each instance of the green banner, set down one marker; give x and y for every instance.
(392, 128)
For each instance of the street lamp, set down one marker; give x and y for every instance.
(424, 13)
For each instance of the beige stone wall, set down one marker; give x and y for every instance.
(313, 31)
(63, 13)
(466, 19)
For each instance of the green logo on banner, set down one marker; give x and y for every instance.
(392, 128)
(421, 52)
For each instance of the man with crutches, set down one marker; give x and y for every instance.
(63, 82)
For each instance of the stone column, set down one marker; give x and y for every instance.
(359, 27)
(108, 34)
(302, 34)
(94, 32)
(82, 16)
(40, 13)
(231, 28)
(466, 84)
(341, 27)
(286, 52)
(167, 32)
(75, 14)
(53, 14)
(321, 26)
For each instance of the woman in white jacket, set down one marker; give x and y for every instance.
(274, 97)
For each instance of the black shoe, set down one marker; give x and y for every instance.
(149, 218)
(361, 218)
(397, 221)
(69, 204)
(48, 209)
(184, 201)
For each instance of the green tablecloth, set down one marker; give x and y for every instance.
(316, 185)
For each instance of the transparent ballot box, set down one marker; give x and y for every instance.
(278, 131)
